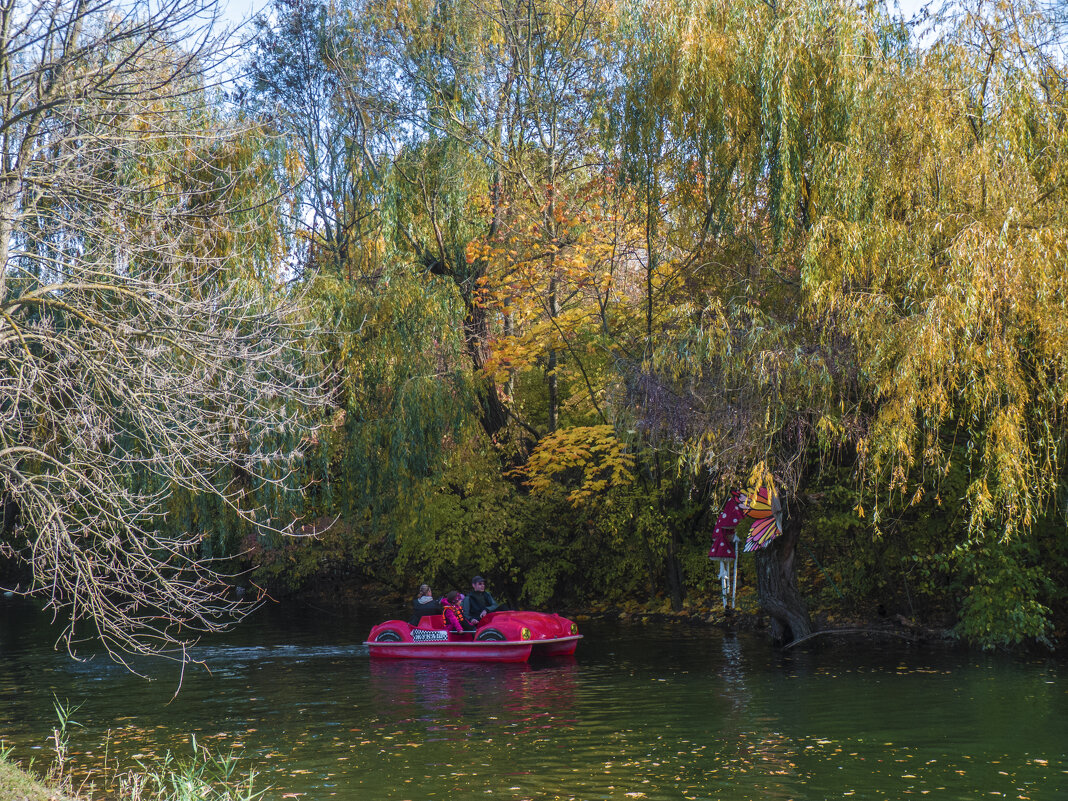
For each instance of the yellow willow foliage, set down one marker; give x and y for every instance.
(753, 90)
(739, 103)
(940, 251)
(590, 460)
(875, 234)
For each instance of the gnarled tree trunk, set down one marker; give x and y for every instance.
(777, 581)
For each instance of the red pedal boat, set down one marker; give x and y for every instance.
(500, 637)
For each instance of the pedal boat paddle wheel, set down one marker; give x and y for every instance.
(500, 637)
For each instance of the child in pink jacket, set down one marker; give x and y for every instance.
(453, 612)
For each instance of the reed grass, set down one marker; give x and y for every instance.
(201, 775)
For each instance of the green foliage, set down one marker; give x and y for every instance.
(201, 776)
(20, 784)
(683, 238)
(578, 555)
(922, 563)
(900, 565)
(462, 523)
(402, 401)
(402, 392)
(1005, 587)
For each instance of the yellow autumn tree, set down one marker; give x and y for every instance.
(586, 461)
(877, 256)
(940, 252)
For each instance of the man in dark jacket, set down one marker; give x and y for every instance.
(478, 602)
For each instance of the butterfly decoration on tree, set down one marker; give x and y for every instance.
(761, 503)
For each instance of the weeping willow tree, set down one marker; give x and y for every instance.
(878, 265)
(734, 105)
(380, 218)
(940, 256)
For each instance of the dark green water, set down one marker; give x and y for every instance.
(646, 712)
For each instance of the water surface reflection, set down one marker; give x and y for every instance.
(640, 712)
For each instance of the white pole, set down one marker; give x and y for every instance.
(724, 581)
(734, 582)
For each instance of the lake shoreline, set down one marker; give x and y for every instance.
(827, 624)
(824, 627)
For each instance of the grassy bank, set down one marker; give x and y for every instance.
(17, 785)
(200, 777)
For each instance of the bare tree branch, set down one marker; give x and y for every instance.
(144, 345)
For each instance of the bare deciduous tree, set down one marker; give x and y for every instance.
(142, 345)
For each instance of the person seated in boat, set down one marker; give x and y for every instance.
(453, 611)
(424, 604)
(478, 603)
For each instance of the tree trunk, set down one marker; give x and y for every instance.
(674, 573)
(777, 582)
(476, 334)
(553, 360)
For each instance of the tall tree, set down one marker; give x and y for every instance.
(313, 76)
(518, 89)
(732, 109)
(862, 211)
(939, 257)
(135, 357)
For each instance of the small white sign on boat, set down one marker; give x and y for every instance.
(434, 635)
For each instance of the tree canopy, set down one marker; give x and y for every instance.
(527, 289)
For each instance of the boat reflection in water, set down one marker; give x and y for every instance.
(519, 695)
